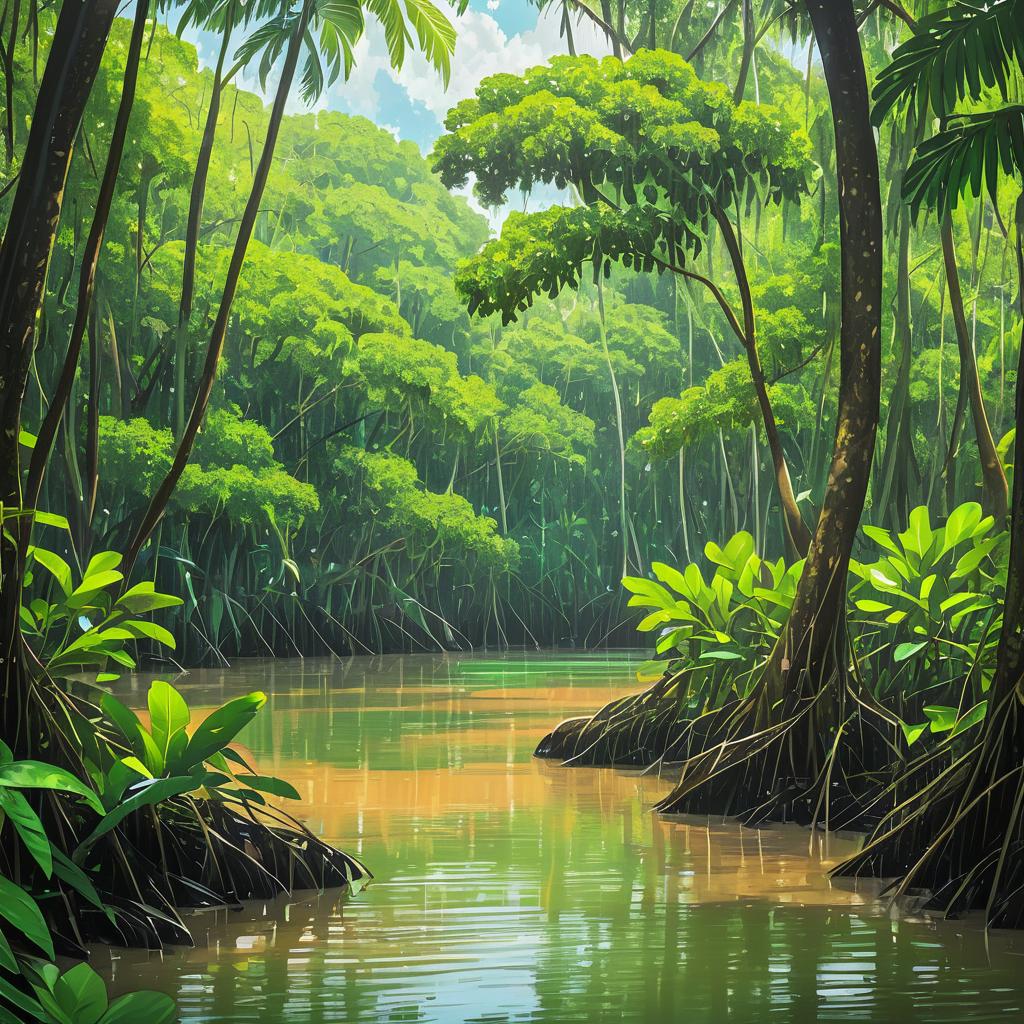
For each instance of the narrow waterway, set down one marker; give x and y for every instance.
(509, 889)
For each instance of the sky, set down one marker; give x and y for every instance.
(493, 36)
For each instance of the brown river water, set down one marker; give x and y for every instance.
(508, 889)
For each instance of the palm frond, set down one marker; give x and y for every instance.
(954, 55)
(969, 154)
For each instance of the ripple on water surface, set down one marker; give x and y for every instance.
(509, 889)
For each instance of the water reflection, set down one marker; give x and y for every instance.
(511, 890)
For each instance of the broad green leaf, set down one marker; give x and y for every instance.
(152, 793)
(153, 631)
(70, 873)
(29, 828)
(961, 523)
(972, 718)
(942, 717)
(37, 775)
(141, 1008)
(912, 733)
(221, 727)
(270, 784)
(881, 537)
(908, 650)
(58, 568)
(19, 910)
(26, 1004)
(168, 714)
(144, 598)
(81, 994)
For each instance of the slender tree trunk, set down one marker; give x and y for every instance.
(798, 537)
(12, 42)
(812, 645)
(682, 503)
(90, 261)
(195, 218)
(747, 17)
(1009, 675)
(501, 481)
(158, 503)
(76, 50)
(623, 513)
(894, 495)
(994, 489)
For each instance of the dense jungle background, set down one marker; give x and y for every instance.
(700, 333)
(379, 470)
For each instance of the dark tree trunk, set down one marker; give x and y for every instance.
(994, 490)
(79, 40)
(90, 261)
(812, 646)
(960, 835)
(195, 217)
(893, 495)
(798, 537)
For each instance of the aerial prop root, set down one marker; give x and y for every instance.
(632, 731)
(819, 760)
(186, 851)
(959, 836)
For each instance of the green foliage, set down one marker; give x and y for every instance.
(929, 609)
(540, 424)
(72, 626)
(717, 632)
(388, 488)
(954, 54)
(724, 402)
(649, 147)
(925, 617)
(79, 996)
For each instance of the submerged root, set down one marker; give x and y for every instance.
(630, 732)
(810, 760)
(183, 852)
(824, 759)
(959, 835)
(205, 854)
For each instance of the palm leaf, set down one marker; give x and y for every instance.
(968, 155)
(954, 55)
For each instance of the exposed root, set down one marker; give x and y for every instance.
(632, 731)
(811, 760)
(959, 835)
(204, 854)
(184, 852)
(823, 759)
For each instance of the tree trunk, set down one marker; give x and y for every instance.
(195, 218)
(90, 261)
(813, 645)
(893, 496)
(158, 503)
(76, 50)
(613, 380)
(1009, 674)
(994, 490)
(798, 537)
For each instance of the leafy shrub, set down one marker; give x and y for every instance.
(717, 631)
(80, 626)
(928, 614)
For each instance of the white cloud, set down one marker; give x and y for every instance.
(493, 5)
(482, 49)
